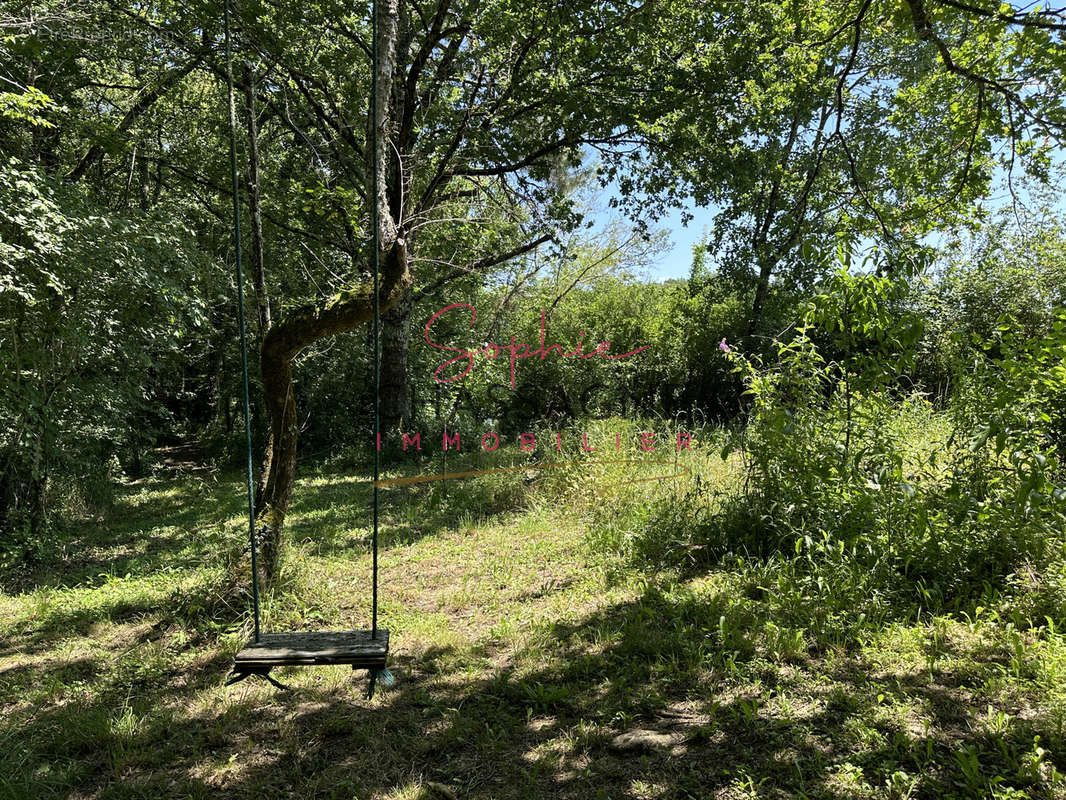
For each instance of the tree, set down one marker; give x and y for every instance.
(801, 121)
(480, 106)
(89, 303)
(473, 116)
(877, 120)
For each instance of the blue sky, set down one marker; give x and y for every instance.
(676, 262)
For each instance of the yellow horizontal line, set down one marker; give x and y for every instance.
(389, 482)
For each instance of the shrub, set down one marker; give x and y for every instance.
(861, 502)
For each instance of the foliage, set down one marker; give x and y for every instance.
(1010, 274)
(113, 672)
(871, 518)
(91, 305)
(863, 501)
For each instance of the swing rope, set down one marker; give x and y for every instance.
(243, 325)
(240, 312)
(377, 307)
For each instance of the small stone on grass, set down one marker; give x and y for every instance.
(643, 740)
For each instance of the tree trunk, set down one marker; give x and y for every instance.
(761, 235)
(395, 340)
(762, 289)
(145, 193)
(283, 341)
(11, 476)
(343, 312)
(262, 299)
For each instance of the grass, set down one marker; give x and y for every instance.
(521, 647)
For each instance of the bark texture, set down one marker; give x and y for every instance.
(395, 342)
(342, 312)
(281, 344)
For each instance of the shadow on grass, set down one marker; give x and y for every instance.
(661, 665)
(728, 722)
(138, 711)
(152, 525)
(332, 509)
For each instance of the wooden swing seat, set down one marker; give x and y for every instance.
(308, 648)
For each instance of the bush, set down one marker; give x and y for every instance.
(91, 306)
(860, 503)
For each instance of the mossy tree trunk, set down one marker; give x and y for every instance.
(395, 342)
(342, 312)
(283, 341)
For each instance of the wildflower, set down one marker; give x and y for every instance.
(725, 348)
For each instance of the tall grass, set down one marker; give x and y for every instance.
(846, 504)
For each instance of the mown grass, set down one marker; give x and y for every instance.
(522, 647)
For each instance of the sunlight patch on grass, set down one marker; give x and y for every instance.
(520, 652)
